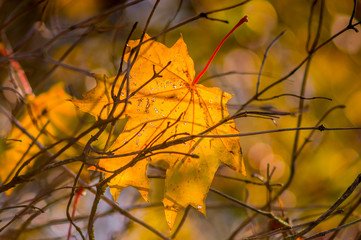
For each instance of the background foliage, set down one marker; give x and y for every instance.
(53, 43)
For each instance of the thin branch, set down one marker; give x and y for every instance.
(14, 91)
(293, 95)
(27, 162)
(283, 230)
(172, 18)
(231, 73)
(321, 128)
(308, 138)
(264, 60)
(248, 181)
(68, 216)
(89, 21)
(99, 192)
(181, 223)
(321, 234)
(49, 60)
(344, 219)
(264, 213)
(192, 19)
(344, 196)
(353, 15)
(21, 206)
(58, 63)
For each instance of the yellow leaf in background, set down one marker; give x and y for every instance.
(167, 108)
(62, 120)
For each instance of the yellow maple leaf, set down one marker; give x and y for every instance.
(166, 108)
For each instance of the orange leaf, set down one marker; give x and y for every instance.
(165, 109)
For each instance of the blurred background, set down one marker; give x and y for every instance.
(60, 41)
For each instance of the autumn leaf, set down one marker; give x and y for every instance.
(165, 105)
(48, 117)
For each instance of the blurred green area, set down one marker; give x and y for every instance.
(324, 169)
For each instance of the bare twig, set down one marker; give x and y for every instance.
(321, 234)
(344, 196)
(192, 19)
(264, 213)
(181, 223)
(264, 60)
(344, 219)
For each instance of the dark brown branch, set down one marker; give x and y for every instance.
(321, 234)
(344, 219)
(344, 196)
